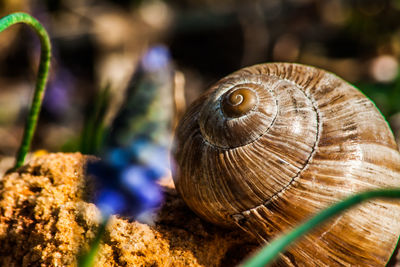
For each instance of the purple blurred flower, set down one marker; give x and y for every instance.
(118, 157)
(110, 202)
(133, 160)
(156, 58)
(139, 181)
(153, 156)
(127, 184)
(57, 99)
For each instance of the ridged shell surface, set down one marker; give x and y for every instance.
(270, 145)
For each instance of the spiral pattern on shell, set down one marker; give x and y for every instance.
(270, 145)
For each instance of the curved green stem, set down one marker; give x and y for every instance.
(41, 81)
(267, 254)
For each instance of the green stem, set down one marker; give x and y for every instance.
(41, 81)
(267, 254)
(88, 259)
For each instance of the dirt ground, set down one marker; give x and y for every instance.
(47, 220)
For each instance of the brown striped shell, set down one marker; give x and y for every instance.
(271, 145)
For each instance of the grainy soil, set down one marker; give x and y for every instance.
(46, 219)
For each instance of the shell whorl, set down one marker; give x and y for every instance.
(239, 101)
(238, 113)
(304, 140)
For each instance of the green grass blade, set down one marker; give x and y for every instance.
(41, 81)
(267, 254)
(88, 259)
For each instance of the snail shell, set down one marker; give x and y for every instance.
(270, 145)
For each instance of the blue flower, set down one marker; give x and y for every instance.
(139, 181)
(57, 99)
(156, 58)
(110, 202)
(127, 185)
(153, 156)
(135, 153)
(118, 157)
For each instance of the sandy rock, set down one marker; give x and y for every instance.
(46, 219)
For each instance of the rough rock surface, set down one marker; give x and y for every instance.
(46, 220)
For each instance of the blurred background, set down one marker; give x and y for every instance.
(97, 43)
